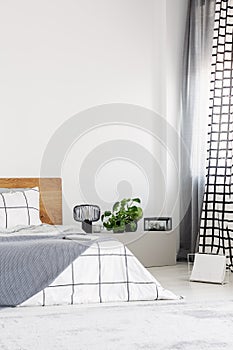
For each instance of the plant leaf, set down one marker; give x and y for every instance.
(138, 200)
(123, 202)
(115, 206)
(133, 208)
(139, 213)
(133, 225)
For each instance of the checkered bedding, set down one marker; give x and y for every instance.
(106, 271)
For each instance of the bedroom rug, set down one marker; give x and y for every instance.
(174, 325)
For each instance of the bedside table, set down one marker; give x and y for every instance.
(152, 248)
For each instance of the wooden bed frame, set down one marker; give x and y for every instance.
(50, 195)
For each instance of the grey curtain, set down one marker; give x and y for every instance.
(195, 92)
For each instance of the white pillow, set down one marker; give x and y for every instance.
(6, 189)
(20, 208)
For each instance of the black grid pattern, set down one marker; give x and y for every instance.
(216, 229)
(122, 258)
(19, 208)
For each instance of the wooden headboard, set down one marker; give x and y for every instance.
(50, 195)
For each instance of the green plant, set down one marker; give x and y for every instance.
(124, 216)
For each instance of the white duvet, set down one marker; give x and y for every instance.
(106, 272)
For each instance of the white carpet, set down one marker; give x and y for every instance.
(147, 325)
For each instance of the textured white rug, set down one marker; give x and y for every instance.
(147, 325)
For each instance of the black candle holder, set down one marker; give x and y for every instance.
(86, 214)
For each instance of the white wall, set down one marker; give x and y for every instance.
(61, 57)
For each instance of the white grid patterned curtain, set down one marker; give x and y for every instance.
(216, 229)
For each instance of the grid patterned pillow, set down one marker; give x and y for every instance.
(19, 208)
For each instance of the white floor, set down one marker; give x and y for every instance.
(203, 320)
(176, 279)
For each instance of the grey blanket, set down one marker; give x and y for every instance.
(29, 264)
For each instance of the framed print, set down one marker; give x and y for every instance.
(158, 224)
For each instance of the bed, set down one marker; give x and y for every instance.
(45, 263)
